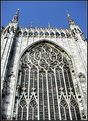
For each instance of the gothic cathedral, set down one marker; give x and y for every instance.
(43, 72)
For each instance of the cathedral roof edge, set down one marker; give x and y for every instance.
(42, 29)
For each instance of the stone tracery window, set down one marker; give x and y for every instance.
(46, 84)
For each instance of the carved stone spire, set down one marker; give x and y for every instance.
(70, 20)
(49, 25)
(31, 25)
(15, 18)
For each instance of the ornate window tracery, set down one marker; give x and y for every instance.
(45, 85)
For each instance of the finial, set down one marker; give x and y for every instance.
(15, 18)
(68, 13)
(70, 20)
(31, 25)
(49, 25)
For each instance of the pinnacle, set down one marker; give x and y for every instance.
(68, 14)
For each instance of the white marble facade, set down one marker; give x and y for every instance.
(15, 41)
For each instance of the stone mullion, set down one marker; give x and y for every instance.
(65, 113)
(33, 79)
(53, 98)
(68, 78)
(64, 82)
(17, 109)
(24, 78)
(28, 94)
(29, 83)
(48, 94)
(38, 90)
(32, 113)
(66, 93)
(75, 113)
(66, 71)
(69, 110)
(43, 98)
(27, 109)
(22, 114)
(57, 95)
(59, 79)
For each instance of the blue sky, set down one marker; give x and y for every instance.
(44, 12)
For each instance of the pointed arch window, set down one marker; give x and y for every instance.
(64, 109)
(46, 82)
(33, 107)
(22, 109)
